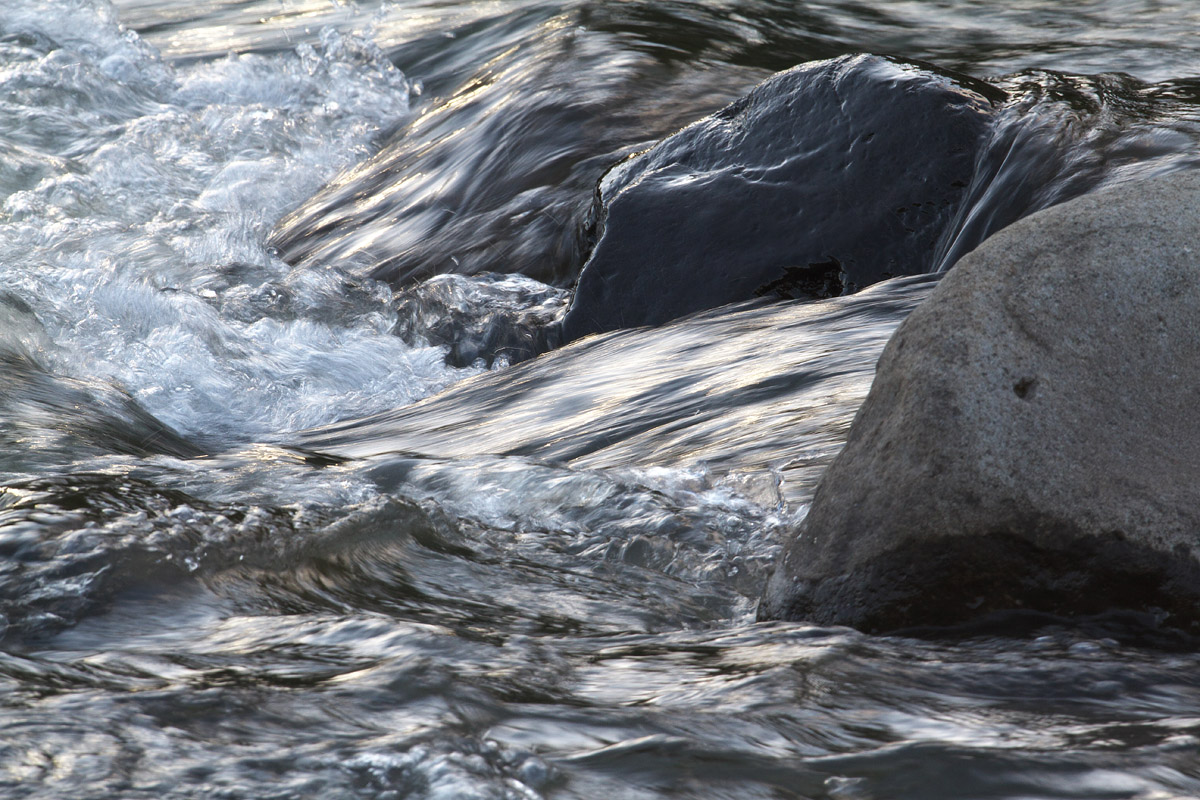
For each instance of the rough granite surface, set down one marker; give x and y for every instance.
(1032, 436)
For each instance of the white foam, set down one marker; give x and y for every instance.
(136, 225)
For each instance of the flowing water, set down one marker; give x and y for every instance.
(261, 538)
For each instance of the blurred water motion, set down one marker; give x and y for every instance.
(260, 541)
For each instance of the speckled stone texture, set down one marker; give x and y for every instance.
(1032, 436)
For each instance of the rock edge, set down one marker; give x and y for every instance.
(1032, 436)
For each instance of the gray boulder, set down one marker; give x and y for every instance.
(1032, 436)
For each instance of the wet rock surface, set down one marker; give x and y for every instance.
(1029, 440)
(822, 180)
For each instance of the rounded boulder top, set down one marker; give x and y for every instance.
(1028, 440)
(823, 179)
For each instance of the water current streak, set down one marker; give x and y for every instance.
(258, 540)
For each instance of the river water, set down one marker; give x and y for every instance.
(262, 538)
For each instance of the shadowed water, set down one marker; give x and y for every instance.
(257, 538)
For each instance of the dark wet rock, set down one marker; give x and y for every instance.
(494, 173)
(822, 180)
(1060, 136)
(1030, 440)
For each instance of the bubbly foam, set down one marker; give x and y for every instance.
(135, 201)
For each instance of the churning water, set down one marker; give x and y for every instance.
(259, 540)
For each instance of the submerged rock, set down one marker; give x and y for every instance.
(823, 179)
(481, 318)
(1030, 440)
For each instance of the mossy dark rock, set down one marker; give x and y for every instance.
(822, 180)
(1030, 439)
